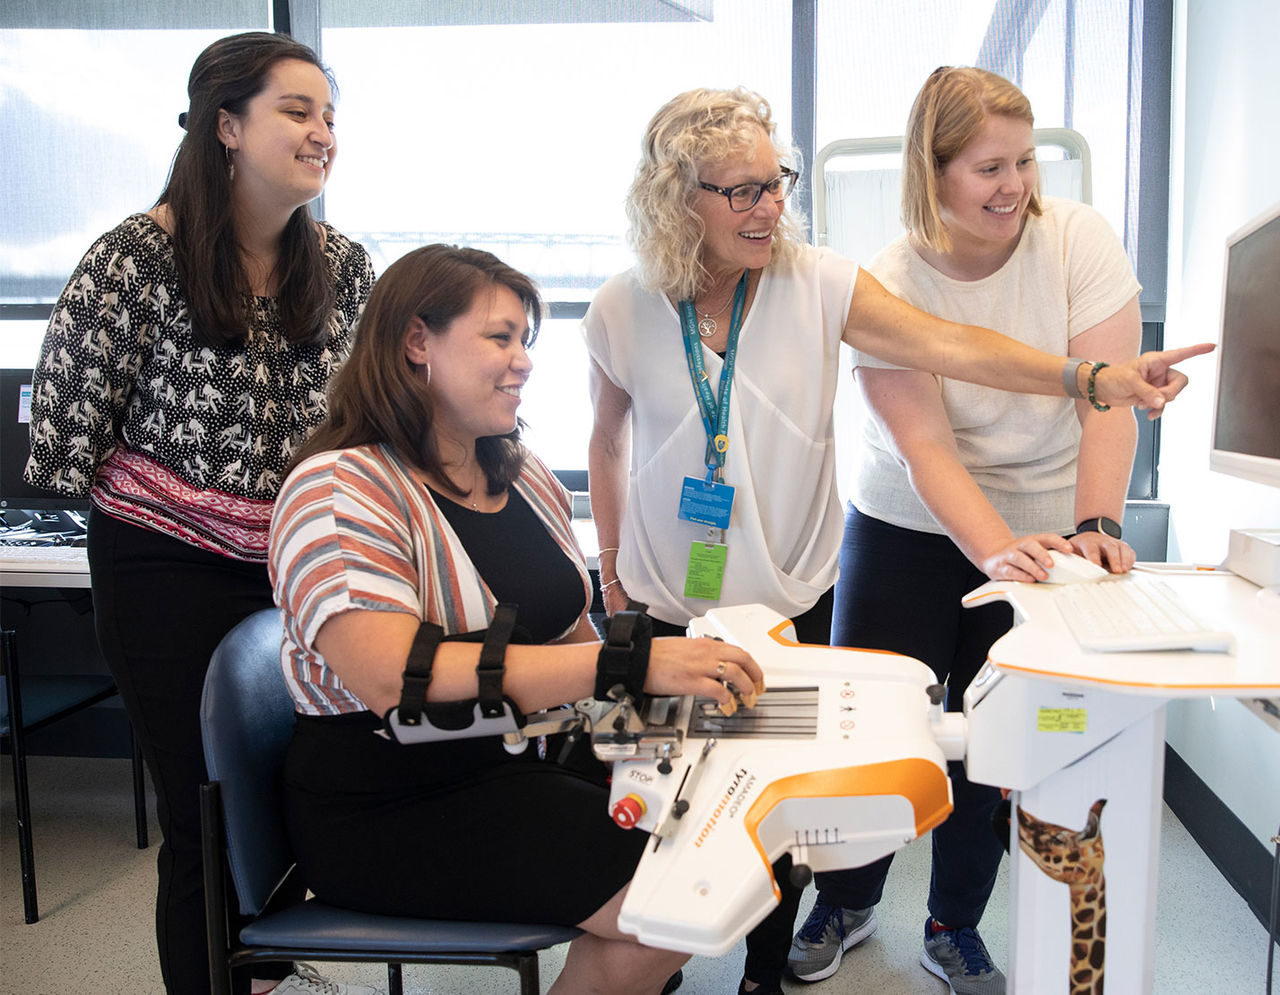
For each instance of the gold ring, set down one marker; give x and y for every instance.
(720, 669)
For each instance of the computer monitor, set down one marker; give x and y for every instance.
(1246, 423)
(15, 492)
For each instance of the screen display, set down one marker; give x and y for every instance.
(15, 417)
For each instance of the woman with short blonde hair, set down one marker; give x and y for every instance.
(948, 112)
(959, 484)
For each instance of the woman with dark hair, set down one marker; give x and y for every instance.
(185, 362)
(416, 504)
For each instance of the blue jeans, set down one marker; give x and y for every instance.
(900, 590)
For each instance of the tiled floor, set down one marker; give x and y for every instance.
(96, 893)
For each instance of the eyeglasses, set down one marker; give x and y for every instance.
(745, 196)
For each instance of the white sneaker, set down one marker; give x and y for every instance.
(305, 980)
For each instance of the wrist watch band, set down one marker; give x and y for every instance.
(1107, 526)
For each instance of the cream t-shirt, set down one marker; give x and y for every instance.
(1068, 273)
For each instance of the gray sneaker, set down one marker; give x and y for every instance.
(825, 935)
(305, 980)
(960, 958)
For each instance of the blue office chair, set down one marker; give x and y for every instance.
(246, 718)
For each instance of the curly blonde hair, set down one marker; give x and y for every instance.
(948, 112)
(694, 128)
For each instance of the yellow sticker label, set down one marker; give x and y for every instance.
(1062, 720)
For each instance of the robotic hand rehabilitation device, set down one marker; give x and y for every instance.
(842, 761)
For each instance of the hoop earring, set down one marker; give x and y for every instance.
(428, 374)
(231, 166)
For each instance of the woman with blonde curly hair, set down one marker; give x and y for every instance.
(713, 378)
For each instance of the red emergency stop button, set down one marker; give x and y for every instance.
(628, 811)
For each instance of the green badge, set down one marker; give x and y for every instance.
(706, 570)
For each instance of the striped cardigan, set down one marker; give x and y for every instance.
(354, 529)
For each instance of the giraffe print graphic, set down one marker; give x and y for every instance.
(1075, 858)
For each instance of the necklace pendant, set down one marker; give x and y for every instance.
(707, 327)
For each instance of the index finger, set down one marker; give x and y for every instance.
(1172, 356)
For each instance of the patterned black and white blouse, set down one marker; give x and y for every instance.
(185, 438)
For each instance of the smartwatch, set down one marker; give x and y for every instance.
(1107, 526)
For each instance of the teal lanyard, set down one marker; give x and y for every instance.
(715, 414)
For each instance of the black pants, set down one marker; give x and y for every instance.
(900, 590)
(161, 607)
(452, 830)
(770, 942)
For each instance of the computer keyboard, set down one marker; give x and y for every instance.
(1131, 615)
(50, 558)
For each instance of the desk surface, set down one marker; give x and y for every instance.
(1042, 646)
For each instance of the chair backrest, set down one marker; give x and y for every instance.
(857, 192)
(246, 720)
(857, 187)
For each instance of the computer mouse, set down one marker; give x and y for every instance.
(1069, 568)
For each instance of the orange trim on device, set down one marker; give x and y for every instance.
(922, 783)
(776, 635)
(1083, 678)
(1227, 689)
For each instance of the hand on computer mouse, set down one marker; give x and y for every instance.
(1069, 568)
(1023, 559)
(1114, 554)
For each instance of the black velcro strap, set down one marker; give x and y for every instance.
(624, 656)
(417, 673)
(490, 669)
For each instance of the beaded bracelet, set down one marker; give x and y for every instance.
(1093, 376)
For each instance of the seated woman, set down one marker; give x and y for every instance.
(416, 502)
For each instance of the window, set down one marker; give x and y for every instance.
(521, 137)
(514, 128)
(89, 124)
(874, 56)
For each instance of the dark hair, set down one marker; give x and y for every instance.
(378, 397)
(226, 76)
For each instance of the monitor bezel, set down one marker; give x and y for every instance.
(1259, 469)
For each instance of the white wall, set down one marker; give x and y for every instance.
(1226, 170)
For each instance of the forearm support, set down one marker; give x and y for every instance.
(623, 663)
(458, 719)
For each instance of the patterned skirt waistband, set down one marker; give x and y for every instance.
(134, 487)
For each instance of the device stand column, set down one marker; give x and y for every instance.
(1084, 906)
